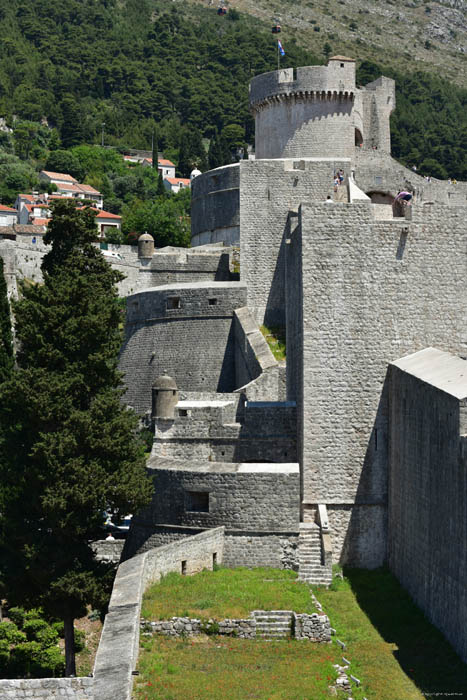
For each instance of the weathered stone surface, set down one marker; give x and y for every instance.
(47, 688)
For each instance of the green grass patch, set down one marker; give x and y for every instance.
(394, 650)
(235, 669)
(226, 593)
(275, 338)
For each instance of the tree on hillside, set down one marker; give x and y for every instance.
(60, 161)
(6, 344)
(192, 153)
(68, 450)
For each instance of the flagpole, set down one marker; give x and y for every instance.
(278, 57)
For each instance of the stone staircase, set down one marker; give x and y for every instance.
(273, 624)
(311, 568)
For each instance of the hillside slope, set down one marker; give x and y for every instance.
(411, 35)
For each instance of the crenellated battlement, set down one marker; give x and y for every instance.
(336, 80)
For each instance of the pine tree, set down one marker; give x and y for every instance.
(155, 149)
(215, 153)
(161, 191)
(6, 344)
(67, 448)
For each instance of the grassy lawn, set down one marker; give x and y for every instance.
(217, 668)
(275, 338)
(226, 593)
(400, 654)
(393, 649)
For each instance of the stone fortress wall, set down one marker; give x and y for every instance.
(165, 266)
(365, 301)
(428, 486)
(185, 330)
(215, 206)
(317, 111)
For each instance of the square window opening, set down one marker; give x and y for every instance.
(197, 501)
(173, 303)
(212, 302)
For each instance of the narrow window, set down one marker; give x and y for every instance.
(214, 560)
(376, 439)
(212, 302)
(173, 303)
(183, 568)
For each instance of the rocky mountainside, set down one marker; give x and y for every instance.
(411, 35)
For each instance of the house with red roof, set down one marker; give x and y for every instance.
(175, 184)
(68, 186)
(164, 166)
(8, 215)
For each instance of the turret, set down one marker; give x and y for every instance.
(305, 112)
(164, 398)
(145, 246)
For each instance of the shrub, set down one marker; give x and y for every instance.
(34, 627)
(10, 634)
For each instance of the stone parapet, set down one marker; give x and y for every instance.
(47, 689)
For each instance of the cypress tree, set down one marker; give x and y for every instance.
(67, 449)
(6, 344)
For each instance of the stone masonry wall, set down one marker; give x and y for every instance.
(118, 649)
(215, 207)
(428, 502)
(276, 549)
(261, 431)
(47, 689)
(372, 292)
(376, 171)
(193, 343)
(269, 189)
(255, 500)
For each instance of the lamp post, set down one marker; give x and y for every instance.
(103, 129)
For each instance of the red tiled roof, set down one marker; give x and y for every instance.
(105, 214)
(40, 222)
(9, 209)
(88, 188)
(178, 180)
(70, 187)
(59, 176)
(30, 197)
(162, 161)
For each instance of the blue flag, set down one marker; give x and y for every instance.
(280, 47)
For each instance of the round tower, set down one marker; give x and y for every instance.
(164, 398)
(145, 246)
(305, 112)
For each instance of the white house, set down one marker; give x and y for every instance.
(68, 186)
(56, 178)
(8, 215)
(164, 166)
(106, 221)
(175, 184)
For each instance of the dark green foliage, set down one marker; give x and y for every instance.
(60, 161)
(67, 446)
(166, 219)
(29, 646)
(192, 153)
(6, 345)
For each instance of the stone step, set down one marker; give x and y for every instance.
(272, 613)
(273, 625)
